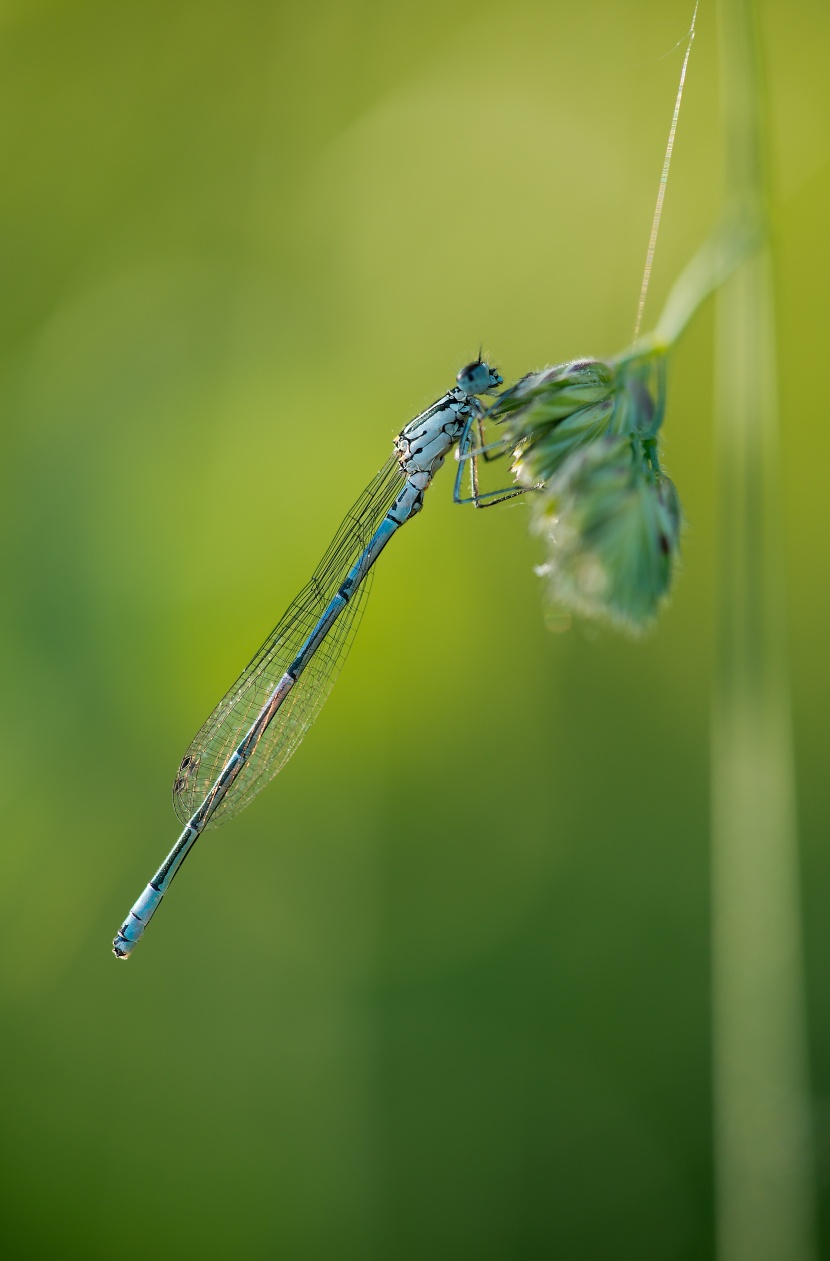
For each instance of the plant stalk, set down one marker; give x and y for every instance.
(764, 1180)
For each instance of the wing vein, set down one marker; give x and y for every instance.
(233, 716)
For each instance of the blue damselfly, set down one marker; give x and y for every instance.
(258, 724)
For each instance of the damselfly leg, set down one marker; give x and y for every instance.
(471, 448)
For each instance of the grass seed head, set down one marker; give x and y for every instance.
(612, 528)
(584, 434)
(549, 415)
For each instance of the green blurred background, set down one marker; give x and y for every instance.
(454, 1001)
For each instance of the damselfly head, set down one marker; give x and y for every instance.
(478, 378)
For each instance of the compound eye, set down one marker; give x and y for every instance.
(475, 378)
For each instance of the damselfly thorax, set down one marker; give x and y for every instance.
(424, 443)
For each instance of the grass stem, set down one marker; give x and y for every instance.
(762, 1153)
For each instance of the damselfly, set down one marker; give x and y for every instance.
(259, 723)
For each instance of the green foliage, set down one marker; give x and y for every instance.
(584, 436)
(612, 524)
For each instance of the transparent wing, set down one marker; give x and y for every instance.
(233, 716)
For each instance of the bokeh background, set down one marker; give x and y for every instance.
(443, 990)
